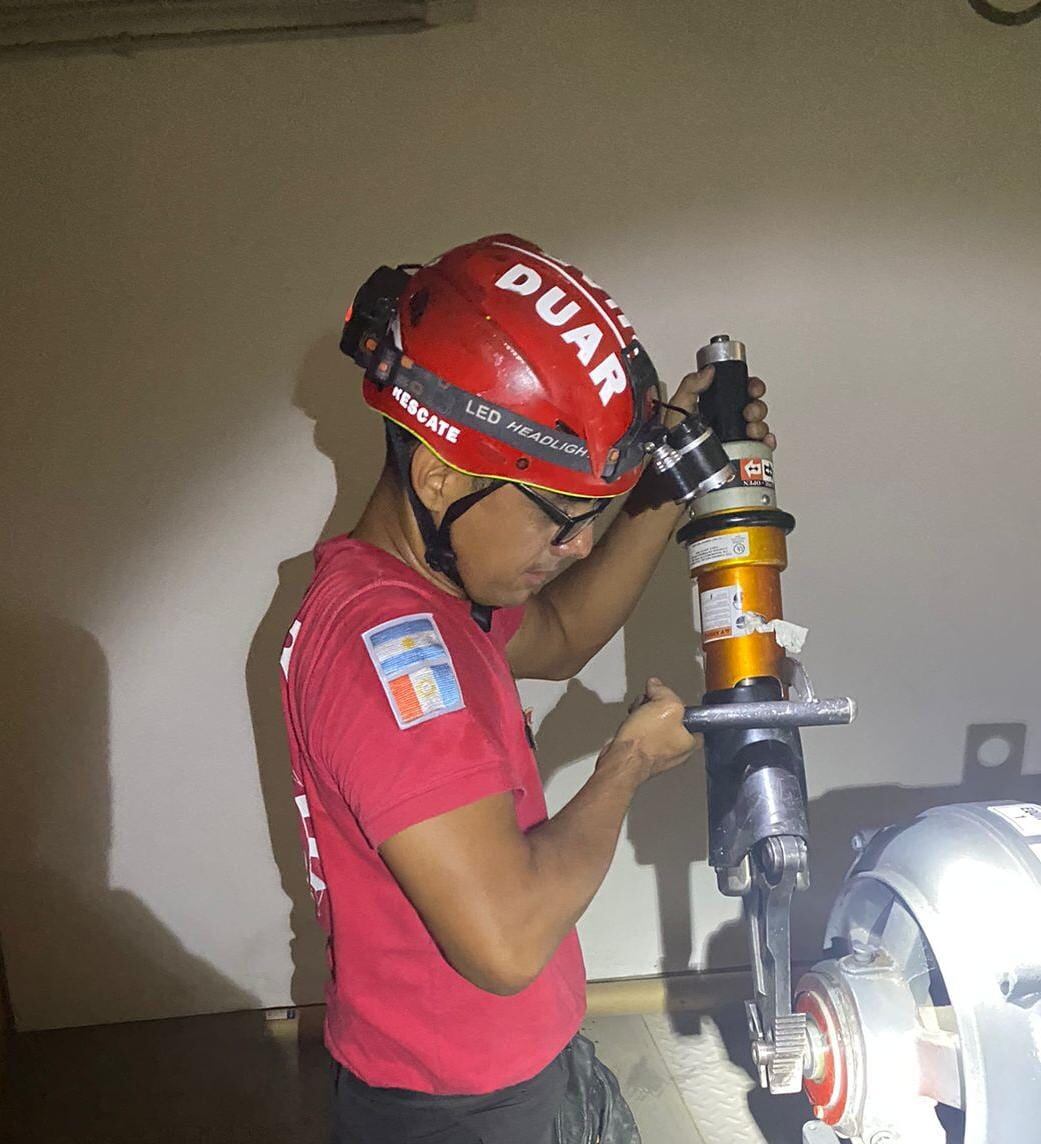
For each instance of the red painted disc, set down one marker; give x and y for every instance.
(828, 1092)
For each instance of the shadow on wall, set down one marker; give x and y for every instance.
(80, 938)
(328, 391)
(666, 823)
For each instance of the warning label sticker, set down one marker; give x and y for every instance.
(712, 549)
(1026, 818)
(755, 471)
(720, 609)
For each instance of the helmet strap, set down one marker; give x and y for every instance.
(437, 539)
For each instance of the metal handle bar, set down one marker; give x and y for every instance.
(772, 713)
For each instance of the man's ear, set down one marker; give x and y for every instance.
(436, 483)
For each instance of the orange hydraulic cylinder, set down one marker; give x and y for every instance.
(737, 580)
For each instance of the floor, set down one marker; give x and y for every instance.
(244, 1077)
(685, 1089)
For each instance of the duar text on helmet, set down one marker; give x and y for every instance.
(556, 308)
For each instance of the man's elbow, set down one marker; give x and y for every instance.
(562, 671)
(503, 973)
(502, 984)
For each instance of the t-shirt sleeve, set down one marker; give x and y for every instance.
(397, 709)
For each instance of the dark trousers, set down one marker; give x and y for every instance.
(521, 1114)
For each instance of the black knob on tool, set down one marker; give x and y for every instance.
(722, 405)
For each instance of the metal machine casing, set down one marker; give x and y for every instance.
(935, 980)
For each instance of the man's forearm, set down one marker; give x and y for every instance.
(595, 596)
(570, 855)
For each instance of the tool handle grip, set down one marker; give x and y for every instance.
(771, 713)
(722, 404)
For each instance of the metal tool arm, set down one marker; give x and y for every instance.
(778, 1034)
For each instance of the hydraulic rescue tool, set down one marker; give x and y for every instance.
(756, 697)
(922, 1024)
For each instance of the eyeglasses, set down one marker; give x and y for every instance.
(570, 526)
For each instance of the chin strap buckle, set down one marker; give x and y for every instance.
(441, 559)
(481, 614)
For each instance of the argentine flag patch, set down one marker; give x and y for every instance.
(415, 669)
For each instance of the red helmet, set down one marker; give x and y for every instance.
(508, 364)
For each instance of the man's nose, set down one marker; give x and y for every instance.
(579, 546)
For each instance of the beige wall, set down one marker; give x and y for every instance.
(851, 188)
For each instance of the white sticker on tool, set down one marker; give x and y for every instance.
(1025, 817)
(730, 546)
(1036, 847)
(720, 608)
(791, 637)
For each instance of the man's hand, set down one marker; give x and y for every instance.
(652, 739)
(686, 397)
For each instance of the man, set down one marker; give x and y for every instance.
(517, 405)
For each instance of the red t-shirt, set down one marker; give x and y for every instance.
(399, 708)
